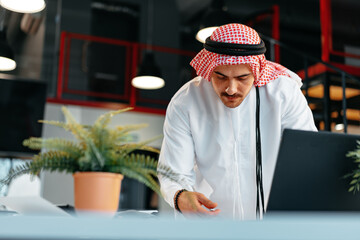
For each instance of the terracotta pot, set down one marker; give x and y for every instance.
(97, 192)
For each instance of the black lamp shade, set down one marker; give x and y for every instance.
(149, 75)
(7, 62)
(5, 50)
(148, 67)
(215, 17)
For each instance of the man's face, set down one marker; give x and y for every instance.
(232, 83)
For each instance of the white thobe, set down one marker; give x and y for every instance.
(201, 133)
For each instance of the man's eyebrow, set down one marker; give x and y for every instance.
(242, 75)
(220, 73)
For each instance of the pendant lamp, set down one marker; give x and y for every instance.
(148, 75)
(216, 16)
(23, 6)
(7, 62)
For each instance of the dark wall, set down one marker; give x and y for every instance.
(103, 68)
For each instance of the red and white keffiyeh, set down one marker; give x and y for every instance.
(264, 71)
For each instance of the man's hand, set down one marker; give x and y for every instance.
(193, 202)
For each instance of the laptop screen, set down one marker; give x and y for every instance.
(309, 172)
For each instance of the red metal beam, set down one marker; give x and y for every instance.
(276, 30)
(61, 65)
(320, 68)
(344, 54)
(99, 39)
(313, 70)
(97, 94)
(127, 76)
(326, 32)
(347, 68)
(134, 63)
(107, 105)
(66, 64)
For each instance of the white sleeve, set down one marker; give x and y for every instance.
(296, 113)
(177, 152)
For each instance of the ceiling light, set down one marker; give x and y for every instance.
(215, 16)
(23, 6)
(7, 62)
(149, 76)
(204, 33)
(148, 82)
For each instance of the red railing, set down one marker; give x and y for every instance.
(130, 95)
(327, 40)
(274, 14)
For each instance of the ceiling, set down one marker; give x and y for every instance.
(300, 22)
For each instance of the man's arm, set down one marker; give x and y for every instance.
(178, 153)
(192, 203)
(297, 114)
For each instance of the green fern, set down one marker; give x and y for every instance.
(355, 175)
(122, 131)
(103, 121)
(51, 161)
(101, 134)
(126, 149)
(139, 167)
(97, 148)
(73, 149)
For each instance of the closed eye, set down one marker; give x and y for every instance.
(220, 76)
(243, 77)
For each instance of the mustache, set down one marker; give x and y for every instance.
(227, 95)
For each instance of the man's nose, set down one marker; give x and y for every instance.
(231, 89)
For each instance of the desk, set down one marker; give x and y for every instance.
(285, 226)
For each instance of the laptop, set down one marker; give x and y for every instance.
(309, 172)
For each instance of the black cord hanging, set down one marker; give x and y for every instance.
(259, 180)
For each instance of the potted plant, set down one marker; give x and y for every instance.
(355, 175)
(98, 159)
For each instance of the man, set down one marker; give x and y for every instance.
(222, 129)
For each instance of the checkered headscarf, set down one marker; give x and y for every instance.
(264, 71)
